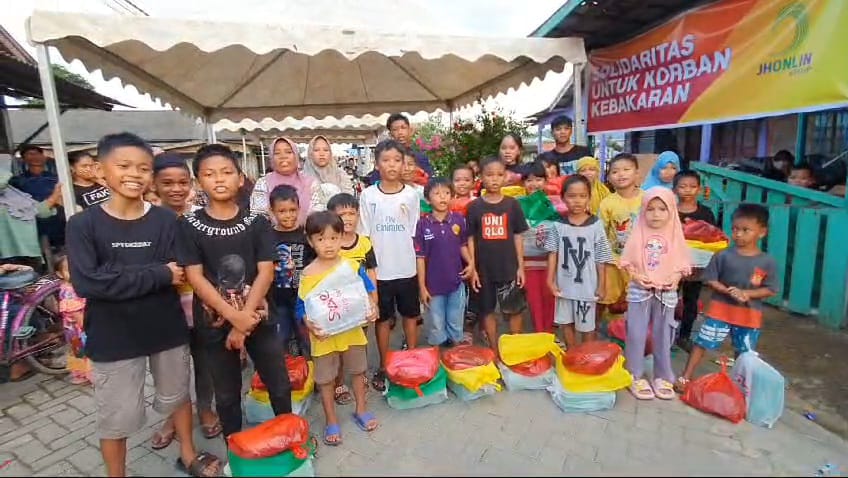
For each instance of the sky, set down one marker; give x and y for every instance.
(469, 17)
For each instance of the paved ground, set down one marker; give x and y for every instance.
(47, 429)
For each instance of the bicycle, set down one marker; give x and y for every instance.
(30, 323)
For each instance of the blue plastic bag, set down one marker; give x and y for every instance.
(763, 387)
(571, 402)
(256, 412)
(466, 395)
(516, 381)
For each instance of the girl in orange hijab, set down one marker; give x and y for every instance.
(656, 257)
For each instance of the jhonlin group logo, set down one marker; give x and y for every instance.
(785, 58)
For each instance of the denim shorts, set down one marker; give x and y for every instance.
(714, 332)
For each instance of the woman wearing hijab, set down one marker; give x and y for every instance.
(663, 172)
(590, 168)
(321, 166)
(284, 163)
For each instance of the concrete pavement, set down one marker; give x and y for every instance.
(47, 428)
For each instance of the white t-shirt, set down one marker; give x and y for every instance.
(389, 221)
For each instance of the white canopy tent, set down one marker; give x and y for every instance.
(235, 71)
(348, 129)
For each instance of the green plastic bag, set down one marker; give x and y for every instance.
(537, 208)
(425, 207)
(283, 464)
(435, 391)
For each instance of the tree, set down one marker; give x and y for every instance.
(464, 140)
(63, 73)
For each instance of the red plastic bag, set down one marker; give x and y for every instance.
(460, 205)
(617, 329)
(718, 394)
(534, 368)
(591, 358)
(413, 368)
(298, 372)
(702, 231)
(420, 177)
(463, 357)
(280, 434)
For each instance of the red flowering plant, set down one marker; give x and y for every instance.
(465, 139)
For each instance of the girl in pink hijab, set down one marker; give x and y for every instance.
(656, 257)
(285, 162)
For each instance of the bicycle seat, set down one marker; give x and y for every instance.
(17, 279)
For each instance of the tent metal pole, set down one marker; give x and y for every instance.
(51, 107)
(579, 114)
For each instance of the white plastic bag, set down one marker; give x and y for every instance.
(426, 400)
(763, 387)
(570, 402)
(339, 302)
(256, 412)
(466, 395)
(515, 381)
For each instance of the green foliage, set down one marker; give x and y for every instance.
(63, 73)
(465, 140)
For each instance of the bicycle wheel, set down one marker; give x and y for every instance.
(47, 339)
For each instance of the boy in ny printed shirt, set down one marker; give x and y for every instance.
(389, 213)
(578, 252)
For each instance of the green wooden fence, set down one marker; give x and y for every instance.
(808, 237)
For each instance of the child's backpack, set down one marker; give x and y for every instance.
(763, 387)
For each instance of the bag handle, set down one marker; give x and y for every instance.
(723, 361)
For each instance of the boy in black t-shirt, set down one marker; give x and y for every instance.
(687, 187)
(228, 253)
(122, 260)
(495, 224)
(293, 254)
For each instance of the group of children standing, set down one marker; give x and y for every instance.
(252, 278)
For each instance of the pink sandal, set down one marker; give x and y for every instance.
(663, 389)
(642, 390)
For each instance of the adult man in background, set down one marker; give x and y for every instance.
(37, 181)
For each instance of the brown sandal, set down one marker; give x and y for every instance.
(211, 431)
(201, 465)
(162, 440)
(343, 395)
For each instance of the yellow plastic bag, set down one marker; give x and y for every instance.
(615, 379)
(475, 378)
(519, 348)
(296, 395)
(511, 191)
(708, 246)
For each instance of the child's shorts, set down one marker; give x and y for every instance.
(713, 333)
(327, 366)
(400, 295)
(581, 313)
(119, 390)
(493, 294)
